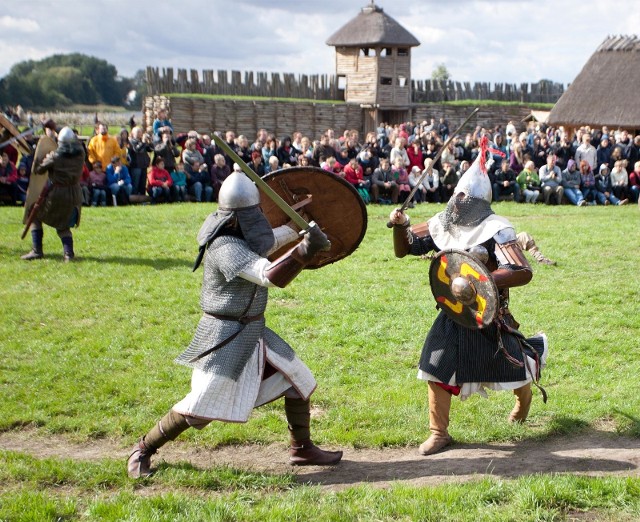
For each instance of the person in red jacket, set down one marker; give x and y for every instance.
(8, 178)
(353, 173)
(159, 181)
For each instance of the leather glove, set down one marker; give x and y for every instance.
(314, 241)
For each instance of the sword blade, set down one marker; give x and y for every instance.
(262, 185)
(407, 201)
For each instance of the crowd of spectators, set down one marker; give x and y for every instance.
(540, 164)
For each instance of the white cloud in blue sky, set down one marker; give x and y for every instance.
(477, 40)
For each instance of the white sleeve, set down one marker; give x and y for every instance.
(283, 236)
(255, 272)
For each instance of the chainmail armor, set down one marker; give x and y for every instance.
(224, 293)
(465, 211)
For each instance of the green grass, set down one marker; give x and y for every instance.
(87, 352)
(199, 96)
(474, 103)
(65, 490)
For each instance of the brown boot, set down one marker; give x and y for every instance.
(306, 453)
(139, 463)
(439, 407)
(167, 429)
(303, 452)
(523, 403)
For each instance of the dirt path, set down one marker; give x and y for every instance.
(593, 453)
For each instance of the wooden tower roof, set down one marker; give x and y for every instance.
(370, 28)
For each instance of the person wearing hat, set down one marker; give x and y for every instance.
(604, 186)
(238, 362)
(459, 360)
(62, 205)
(571, 181)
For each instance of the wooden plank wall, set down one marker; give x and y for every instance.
(312, 119)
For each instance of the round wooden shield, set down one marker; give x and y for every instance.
(323, 197)
(451, 268)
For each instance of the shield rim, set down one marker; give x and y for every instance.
(315, 171)
(485, 271)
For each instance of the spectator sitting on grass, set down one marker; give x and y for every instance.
(571, 181)
(529, 182)
(8, 178)
(179, 178)
(119, 180)
(604, 187)
(98, 184)
(22, 183)
(159, 182)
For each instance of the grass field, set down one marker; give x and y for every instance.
(87, 352)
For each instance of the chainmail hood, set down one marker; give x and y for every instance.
(253, 227)
(470, 203)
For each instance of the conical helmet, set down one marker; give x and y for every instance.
(66, 135)
(238, 192)
(475, 183)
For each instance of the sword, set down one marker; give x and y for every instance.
(262, 185)
(34, 209)
(19, 136)
(407, 201)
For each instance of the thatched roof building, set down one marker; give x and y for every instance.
(606, 90)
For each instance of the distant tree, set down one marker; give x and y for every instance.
(138, 86)
(441, 73)
(64, 79)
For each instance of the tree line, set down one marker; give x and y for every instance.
(63, 80)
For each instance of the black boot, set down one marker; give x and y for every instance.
(167, 429)
(303, 452)
(67, 248)
(36, 250)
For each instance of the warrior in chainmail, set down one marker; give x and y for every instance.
(63, 202)
(238, 363)
(458, 360)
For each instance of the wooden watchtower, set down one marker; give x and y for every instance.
(373, 64)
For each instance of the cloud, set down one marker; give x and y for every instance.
(22, 25)
(477, 40)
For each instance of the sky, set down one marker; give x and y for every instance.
(497, 41)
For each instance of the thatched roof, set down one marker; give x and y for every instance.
(606, 90)
(370, 28)
(539, 116)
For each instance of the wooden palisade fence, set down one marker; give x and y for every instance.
(325, 87)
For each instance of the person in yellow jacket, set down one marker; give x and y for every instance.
(103, 147)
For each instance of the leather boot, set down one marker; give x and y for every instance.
(303, 452)
(439, 407)
(36, 249)
(523, 403)
(167, 429)
(67, 248)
